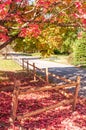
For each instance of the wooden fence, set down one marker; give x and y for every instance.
(59, 88)
(26, 65)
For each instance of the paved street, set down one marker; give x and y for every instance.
(64, 70)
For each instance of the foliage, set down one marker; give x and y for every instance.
(49, 40)
(69, 35)
(26, 44)
(80, 51)
(56, 51)
(23, 18)
(18, 45)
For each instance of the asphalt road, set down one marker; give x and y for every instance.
(64, 70)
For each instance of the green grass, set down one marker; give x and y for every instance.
(9, 65)
(59, 59)
(36, 54)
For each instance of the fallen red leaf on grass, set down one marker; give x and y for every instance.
(60, 118)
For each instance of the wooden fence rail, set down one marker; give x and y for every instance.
(59, 88)
(46, 72)
(18, 91)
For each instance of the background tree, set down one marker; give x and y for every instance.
(27, 45)
(69, 36)
(50, 39)
(79, 53)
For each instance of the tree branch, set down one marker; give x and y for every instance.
(9, 41)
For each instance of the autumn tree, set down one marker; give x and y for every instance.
(27, 18)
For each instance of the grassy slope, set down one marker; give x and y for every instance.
(9, 65)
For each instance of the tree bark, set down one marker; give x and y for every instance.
(8, 41)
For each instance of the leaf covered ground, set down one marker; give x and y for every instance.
(60, 118)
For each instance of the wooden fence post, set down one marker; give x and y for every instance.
(27, 65)
(76, 92)
(15, 99)
(34, 72)
(23, 63)
(47, 76)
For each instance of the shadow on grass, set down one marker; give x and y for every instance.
(59, 118)
(26, 80)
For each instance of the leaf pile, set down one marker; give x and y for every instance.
(60, 118)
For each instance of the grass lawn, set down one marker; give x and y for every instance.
(59, 59)
(9, 65)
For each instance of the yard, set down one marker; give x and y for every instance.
(59, 118)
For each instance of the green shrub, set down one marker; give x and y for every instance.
(80, 52)
(56, 51)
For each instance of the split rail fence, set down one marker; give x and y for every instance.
(59, 88)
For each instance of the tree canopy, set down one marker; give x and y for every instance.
(27, 18)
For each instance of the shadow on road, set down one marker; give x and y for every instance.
(69, 73)
(72, 73)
